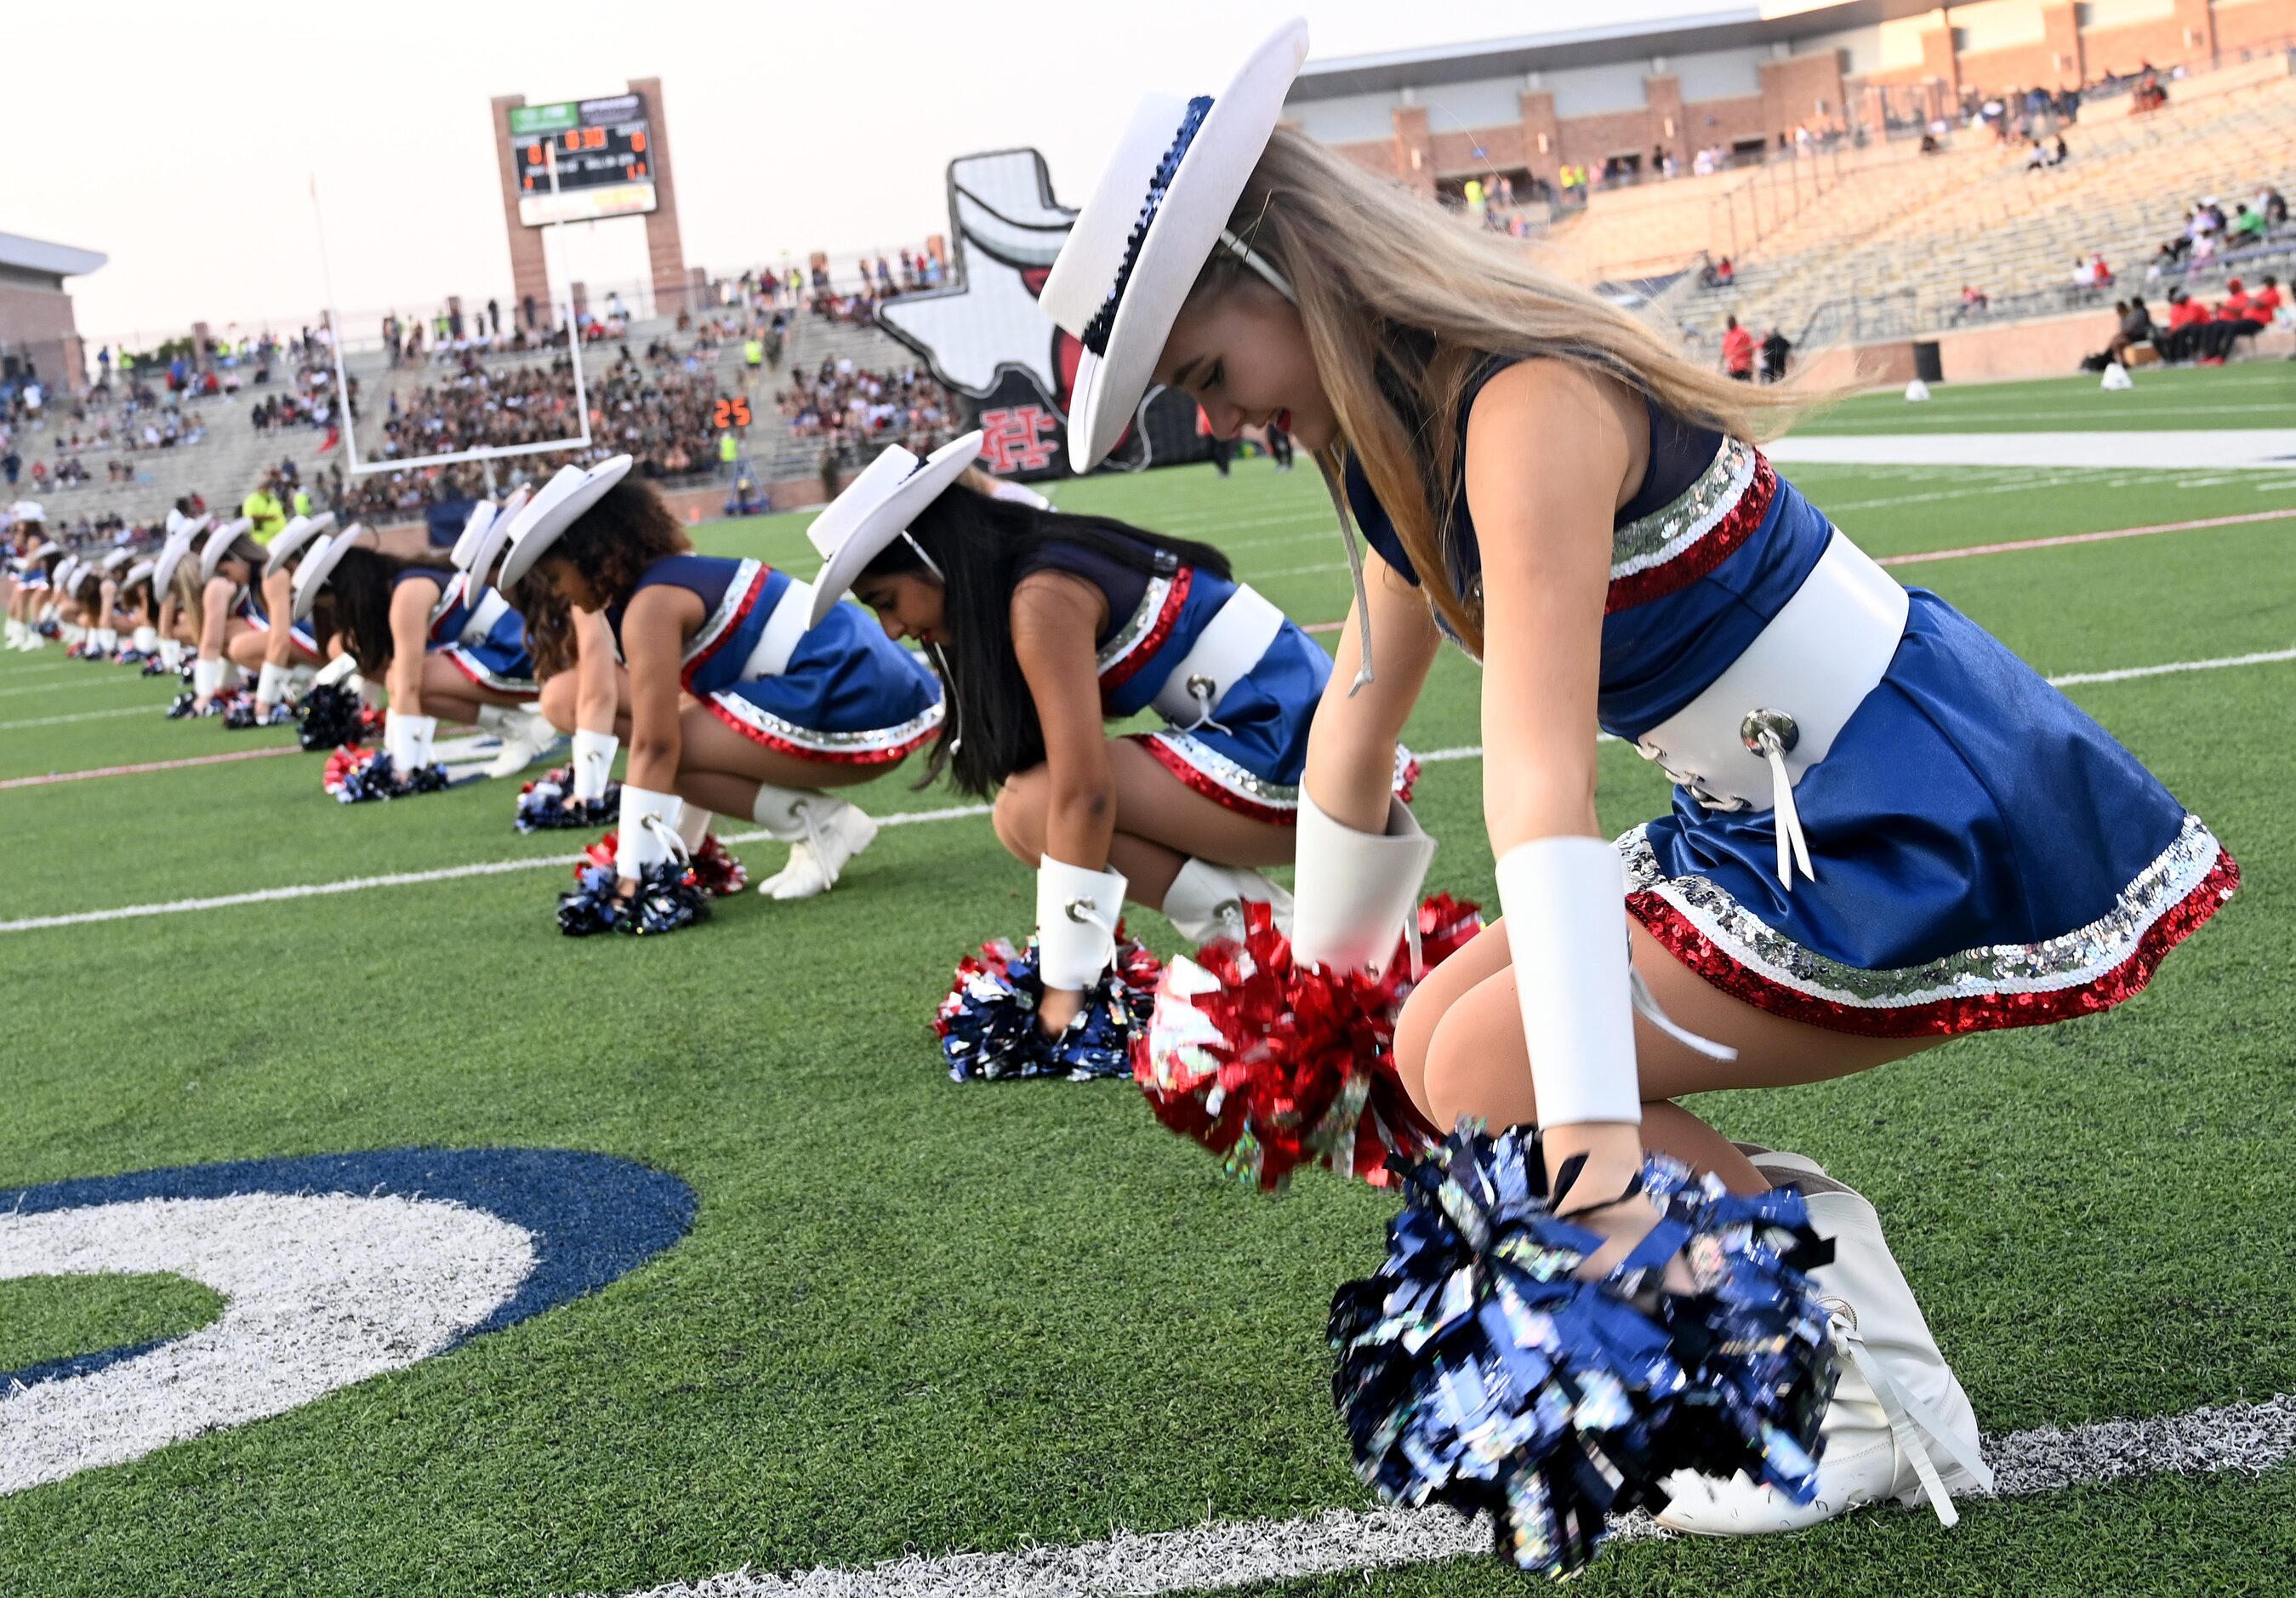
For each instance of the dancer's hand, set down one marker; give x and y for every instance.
(1057, 1008)
(1613, 1160)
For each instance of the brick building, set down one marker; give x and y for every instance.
(1617, 96)
(36, 313)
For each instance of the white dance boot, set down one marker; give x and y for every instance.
(1206, 902)
(824, 834)
(1899, 1427)
(524, 733)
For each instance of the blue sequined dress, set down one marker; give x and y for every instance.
(1986, 854)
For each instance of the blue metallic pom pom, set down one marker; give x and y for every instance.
(1476, 1371)
(547, 804)
(242, 715)
(987, 1023)
(331, 717)
(668, 900)
(354, 776)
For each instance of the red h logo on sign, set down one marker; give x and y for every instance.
(1015, 440)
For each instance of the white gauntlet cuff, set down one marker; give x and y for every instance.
(647, 833)
(1355, 893)
(594, 762)
(1077, 911)
(1564, 899)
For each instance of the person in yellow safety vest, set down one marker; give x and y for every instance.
(753, 352)
(262, 508)
(729, 448)
(302, 500)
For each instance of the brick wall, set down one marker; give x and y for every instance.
(1791, 89)
(38, 322)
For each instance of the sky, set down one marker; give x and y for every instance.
(183, 141)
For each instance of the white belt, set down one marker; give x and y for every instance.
(783, 628)
(488, 611)
(1746, 740)
(1231, 643)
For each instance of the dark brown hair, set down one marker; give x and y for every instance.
(610, 544)
(361, 586)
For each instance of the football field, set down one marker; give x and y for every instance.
(819, 1308)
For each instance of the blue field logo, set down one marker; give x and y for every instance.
(334, 1268)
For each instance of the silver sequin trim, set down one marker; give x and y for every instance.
(1136, 626)
(1227, 773)
(874, 740)
(2071, 960)
(1659, 537)
(728, 609)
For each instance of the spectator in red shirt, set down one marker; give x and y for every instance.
(2235, 319)
(1738, 351)
(2266, 302)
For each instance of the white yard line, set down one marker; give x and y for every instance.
(494, 868)
(125, 680)
(2247, 1437)
(2270, 448)
(84, 715)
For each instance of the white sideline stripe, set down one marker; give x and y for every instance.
(84, 715)
(2250, 1437)
(398, 879)
(2264, 448)
(94, 683)
(493, 868)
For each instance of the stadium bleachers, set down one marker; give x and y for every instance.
(1906, 246)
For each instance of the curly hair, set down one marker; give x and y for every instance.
(611, 544)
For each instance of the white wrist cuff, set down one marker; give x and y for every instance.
(206, 674)
(271, 684)
(648, 830)
(171, 653)
(1077, 911)
(147, 639)
(594, 762)
(1355, 891)
(1564, 899)
(336, 670)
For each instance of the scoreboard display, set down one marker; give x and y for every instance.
(600, 151)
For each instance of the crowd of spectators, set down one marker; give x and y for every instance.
(2193, 331)
(850, 409)
(2211, 234)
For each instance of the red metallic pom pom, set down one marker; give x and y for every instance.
(341, 763)
(1273, 1065)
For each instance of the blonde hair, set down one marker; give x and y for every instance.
(189, 591)
(1403, 302)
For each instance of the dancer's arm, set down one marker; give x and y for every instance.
(597, 695)
(1547, 456)
(279, 605)
(410, 641)
(1351, 745)
(1056, 618)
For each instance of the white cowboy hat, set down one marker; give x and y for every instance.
(483, 540)
(219, 545)
(172, 552)
(28, 510)
(1158, 212)
(555, 507)
(137, 573)
(292, 538)
(114, 560)
(67, 570)
(877, 507)
(320, 563)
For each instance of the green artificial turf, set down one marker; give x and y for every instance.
(44, 1318)
(913, 1315)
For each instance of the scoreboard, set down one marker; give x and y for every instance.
(602, 151)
